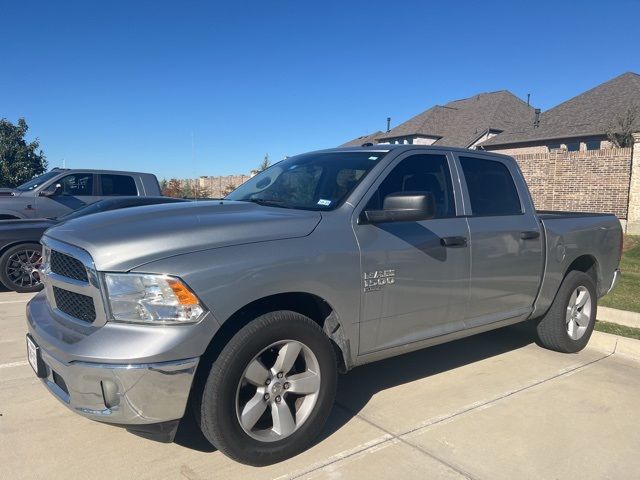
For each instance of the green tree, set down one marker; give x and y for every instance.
(263, 165)
(187, 190)
(19, 161)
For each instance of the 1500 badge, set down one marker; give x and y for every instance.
(378, 279)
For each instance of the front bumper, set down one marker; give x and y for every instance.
(124, 393)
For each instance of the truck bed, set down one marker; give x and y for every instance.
(591, 238)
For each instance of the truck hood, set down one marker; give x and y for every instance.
(121, 240)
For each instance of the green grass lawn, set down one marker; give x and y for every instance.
(619, 330)
(626, 296)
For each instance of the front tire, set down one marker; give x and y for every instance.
(271, 389)
(19, 268)
(568, 324)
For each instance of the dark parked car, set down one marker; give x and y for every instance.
(20, 250)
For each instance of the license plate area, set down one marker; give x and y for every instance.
(35, 359)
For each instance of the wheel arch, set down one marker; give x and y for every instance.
(587, 264)
(304, 303)
(15, 243)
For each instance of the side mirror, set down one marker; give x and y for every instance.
(51, 192)
(403, 207)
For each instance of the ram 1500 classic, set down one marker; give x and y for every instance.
(247, 308)
(61, 191)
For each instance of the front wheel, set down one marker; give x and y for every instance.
(270, 390)
(19, 268)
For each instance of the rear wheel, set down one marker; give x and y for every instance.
(19, 268)
(271, 389)
(568, 324)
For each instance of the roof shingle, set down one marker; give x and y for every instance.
(590, 113)
(459, 123)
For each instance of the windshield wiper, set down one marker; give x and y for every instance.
(268, 203)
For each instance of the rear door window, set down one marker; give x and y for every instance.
(491, 188)
(118, 185)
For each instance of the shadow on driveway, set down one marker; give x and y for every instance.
(360, 384)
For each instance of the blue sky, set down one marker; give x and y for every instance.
(137, 85)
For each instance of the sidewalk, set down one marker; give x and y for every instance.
(621, 317)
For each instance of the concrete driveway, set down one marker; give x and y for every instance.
(488, 407)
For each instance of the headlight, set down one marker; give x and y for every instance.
(155, 299)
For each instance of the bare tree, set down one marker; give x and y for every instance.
(620, 132)
(228, 189)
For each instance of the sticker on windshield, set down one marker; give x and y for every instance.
(324, 203)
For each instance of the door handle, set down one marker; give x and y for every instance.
(529, 235)
(454, 241)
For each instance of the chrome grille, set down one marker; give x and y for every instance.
(75, 304)
(71, 284)
(67, 266)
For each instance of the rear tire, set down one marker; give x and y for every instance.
(17, 268)
(568, 324)
(283, 366)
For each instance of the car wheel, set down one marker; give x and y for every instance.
(568, 324)
(19, 268)
(271, 389)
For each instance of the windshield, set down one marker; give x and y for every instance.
(36, 182)
(313, 181)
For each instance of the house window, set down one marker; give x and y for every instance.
(593, 145)
(554, 146)
(573, 147)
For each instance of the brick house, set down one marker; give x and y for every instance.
(579, 124)
(564, 152)
(460, 123)
(568, 160)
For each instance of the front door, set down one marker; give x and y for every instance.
(414, 286)
(506, 242)
(77, 190)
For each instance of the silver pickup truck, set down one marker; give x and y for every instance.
(62, 190)
(247, 308)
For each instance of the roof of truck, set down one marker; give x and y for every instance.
(383, 147)
(90, 170)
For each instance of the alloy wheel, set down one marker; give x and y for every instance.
(23, 268)
(278, 391)
(578, 313)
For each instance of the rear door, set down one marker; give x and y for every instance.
(506, 241)
(414, 287)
